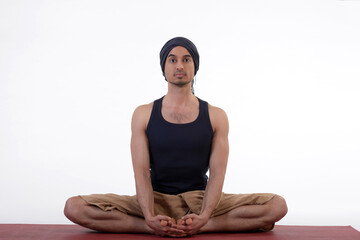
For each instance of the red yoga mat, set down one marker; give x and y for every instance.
(74, 232)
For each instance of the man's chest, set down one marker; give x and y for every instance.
(180, 116)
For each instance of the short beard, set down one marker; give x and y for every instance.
(180, 84)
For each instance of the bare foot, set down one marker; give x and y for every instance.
(188, 221)
(173, 221)
(180, 222)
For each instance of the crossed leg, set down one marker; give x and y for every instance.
(80, 212)
(244, 218)
(248, 217)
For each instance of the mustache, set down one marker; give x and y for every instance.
(182, 72)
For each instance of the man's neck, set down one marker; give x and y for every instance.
(180, 97)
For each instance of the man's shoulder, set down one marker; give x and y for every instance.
(218, 117)
(143, 109)
(218, 112)
(141, 115)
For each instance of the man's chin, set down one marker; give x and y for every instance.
(180, 82)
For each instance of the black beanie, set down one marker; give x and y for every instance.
(183, 42)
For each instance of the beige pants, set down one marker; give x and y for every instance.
(175, 206)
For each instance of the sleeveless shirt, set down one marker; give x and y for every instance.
(179, 153)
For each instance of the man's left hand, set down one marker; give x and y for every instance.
(198, 222)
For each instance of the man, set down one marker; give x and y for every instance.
(175, 140)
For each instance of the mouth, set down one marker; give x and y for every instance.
(179, 74)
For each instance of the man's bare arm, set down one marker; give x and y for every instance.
(218, 162)
(141, 161)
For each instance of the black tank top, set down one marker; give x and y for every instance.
(179, 153)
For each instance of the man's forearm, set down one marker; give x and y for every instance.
(212, 195)
(145, 196)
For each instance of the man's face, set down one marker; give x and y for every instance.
(179, 66)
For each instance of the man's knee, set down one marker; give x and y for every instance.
(74, 207)
(278, 209)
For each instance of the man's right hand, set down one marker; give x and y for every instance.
(159, 229)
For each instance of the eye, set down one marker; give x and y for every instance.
(186, 60)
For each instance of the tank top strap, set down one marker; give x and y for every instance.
(154, 112)
(158, 105)
(203, 108)
(204, 114)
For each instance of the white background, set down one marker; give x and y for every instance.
(286, 72)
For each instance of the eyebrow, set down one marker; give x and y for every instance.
(173, 55)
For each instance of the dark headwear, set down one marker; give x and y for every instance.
(183, 42)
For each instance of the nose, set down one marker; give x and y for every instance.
(179, 66)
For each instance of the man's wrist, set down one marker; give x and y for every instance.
(148, 216)
(205, 215)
